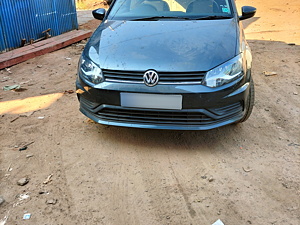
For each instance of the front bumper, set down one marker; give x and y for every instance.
(203, 108)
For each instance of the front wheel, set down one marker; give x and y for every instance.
(250, 103)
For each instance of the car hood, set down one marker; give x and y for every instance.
(163, 45)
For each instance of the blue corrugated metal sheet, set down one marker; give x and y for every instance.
(2, 44)
(27, 19)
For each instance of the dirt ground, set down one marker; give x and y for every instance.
(90, 4)
(241, 174)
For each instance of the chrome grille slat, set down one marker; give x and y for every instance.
(115, 72)
(125, 81)
(183, 79)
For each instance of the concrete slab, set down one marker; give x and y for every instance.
(84, 16)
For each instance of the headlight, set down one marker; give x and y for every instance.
(225, 73)
(89, 70)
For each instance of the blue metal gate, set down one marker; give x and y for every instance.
(27, 19)
(2, 44)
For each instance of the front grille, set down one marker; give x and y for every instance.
(164, 77)
(227, 110)
(88, 104)
(175, 117)
(157, 116)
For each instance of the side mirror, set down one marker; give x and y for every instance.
(99, 14)
(247, 12)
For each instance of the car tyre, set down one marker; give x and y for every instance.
(250, 102)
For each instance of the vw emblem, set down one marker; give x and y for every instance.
(151, 78)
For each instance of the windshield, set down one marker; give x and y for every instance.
(168, 9)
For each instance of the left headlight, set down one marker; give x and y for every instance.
(225, 73)
(89, 70)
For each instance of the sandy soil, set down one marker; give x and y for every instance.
(241, 174)
(90, 4)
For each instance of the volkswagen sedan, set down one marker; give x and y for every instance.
(167, 64)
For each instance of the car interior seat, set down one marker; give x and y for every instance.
(160, 5)
(202, 6)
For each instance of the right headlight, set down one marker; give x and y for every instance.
(225, 73)
(89, 70)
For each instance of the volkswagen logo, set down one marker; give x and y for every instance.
(151, 78)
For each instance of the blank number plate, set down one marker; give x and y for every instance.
(151, 101)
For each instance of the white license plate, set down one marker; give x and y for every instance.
(151, 101)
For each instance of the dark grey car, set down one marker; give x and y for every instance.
(173, 64)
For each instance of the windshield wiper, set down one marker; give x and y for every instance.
(213, 18)
(182, 18)
(160, 17)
